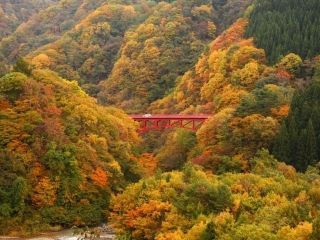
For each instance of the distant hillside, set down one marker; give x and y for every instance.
(44, 27)
(13, 13)
(87, 52)
(60, 24)
(163, 48)
(247, 97)
(228, 11)
(156, 52)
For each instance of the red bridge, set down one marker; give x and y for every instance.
(150, 122)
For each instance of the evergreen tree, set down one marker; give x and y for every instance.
(209, 233)
(300, 160)
(298, 141)
(286, 26)
(19, 193)
(22, 66)
(311, 145)
(315, 117)
(282, 145)
(293, 140)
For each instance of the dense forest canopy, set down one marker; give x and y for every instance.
(61, 154)
(164, 46)
(193, 205)
(285, 26)
(71, 71)
(87, 52)
(13, 13)
(298, 142)
(43, 27)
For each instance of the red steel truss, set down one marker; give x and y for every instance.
(160, 122)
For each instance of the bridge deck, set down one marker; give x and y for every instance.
(170, 117)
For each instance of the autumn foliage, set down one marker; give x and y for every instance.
(61, 153)
(100, 177)
(271, 202)
(69, 158)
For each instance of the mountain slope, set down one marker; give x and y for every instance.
(285, 26)
(13, 13)
(298, 141)
(248, 100)
(187, 95)
(87, 52)
(157, 52)
(161, 49)
(61, 154)
(272, 202)
(64, 158)
(44, 27)
(228, 12)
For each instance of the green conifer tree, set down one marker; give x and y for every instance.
(23, 67)
(311, 145)
(209, 233)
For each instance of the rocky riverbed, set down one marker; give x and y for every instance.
(105, 233)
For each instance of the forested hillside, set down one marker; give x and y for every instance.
(273, 202)
(84, 37)
(285, 26)
(13, 13)
(161, 49)
(71, 71)
(228, 11)
(43, 27)
(298, 141)
(157, 52)
(61, 154)
(88, 51)
(249, 100)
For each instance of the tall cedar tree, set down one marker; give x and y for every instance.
(284, 26)
(298, 140)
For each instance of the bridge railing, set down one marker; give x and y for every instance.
(164, 121)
